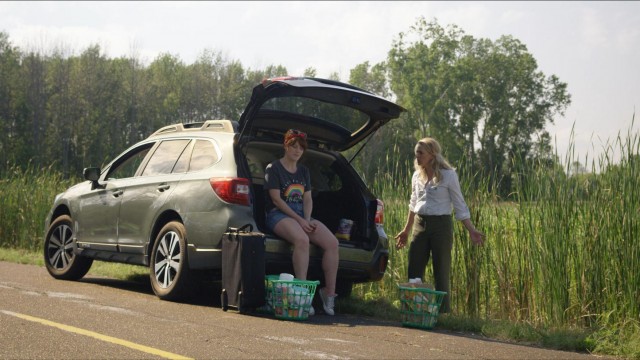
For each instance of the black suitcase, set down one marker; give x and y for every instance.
(243, 269)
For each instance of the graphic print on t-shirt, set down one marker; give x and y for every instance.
(293, 193)
(291, 186)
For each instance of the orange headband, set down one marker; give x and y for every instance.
(292, 134)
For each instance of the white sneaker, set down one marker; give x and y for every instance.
(328, 303)
(311, 310)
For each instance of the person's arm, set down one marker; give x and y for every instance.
(307, 200)
(282, 206)
(476, 236)
(307, 208)
(403, 236)
(455, 194)
(462, 210)
(307, 205)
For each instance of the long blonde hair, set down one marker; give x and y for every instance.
(432, 147)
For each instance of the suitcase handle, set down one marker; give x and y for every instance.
(241, 229)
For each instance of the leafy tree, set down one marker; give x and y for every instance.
(485, 101)
(310, 72)
(165, 76)
(334, 76)
(100, 112)
(371, 160)
(481, 99)
(133, 83)
(62, 108)
(201, 87)
(30, 121)
(12, 100)
(371, 78)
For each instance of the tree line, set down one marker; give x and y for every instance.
(485, 101)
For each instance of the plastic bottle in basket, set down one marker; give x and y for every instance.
(280, 298)
(418, 300)
(298, 295)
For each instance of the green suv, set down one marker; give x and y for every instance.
(166, 201)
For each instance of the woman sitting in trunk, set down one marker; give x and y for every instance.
(289, 207)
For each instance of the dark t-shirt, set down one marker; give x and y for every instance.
(291, 186)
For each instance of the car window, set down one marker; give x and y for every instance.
(182, 165)
(165, 157)
(204, 155)
(343, 116)
(323, 177)
(127, 165)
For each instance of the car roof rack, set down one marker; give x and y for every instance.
(208, 125)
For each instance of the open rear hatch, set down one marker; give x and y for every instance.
(336, 116)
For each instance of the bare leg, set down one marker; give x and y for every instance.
(291, 231)
(323, 238)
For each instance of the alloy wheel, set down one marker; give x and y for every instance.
(60, 247)
(167, 259)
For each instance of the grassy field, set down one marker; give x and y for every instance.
(560, 267)
(562, 258)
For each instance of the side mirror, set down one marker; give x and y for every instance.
(92, 174)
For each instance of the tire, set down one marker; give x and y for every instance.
(59, 257)
(169, 267)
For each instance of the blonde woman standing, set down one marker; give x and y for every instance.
(435, 192)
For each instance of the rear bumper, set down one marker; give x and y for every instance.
(356, 265)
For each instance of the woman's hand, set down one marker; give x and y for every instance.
(401, 239)
(476, 237)
(307, 225)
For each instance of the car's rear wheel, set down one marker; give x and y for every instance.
(59, 257)
(169, 273)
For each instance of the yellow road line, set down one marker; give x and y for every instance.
(98, 336)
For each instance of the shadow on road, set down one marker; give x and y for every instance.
(207, 293)
(133, 285)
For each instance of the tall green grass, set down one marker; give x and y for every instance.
(26, 195)
(563, 253)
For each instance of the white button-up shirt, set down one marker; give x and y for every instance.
(430, 199)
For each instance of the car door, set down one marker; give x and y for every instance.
(144, 195)
(98, 211)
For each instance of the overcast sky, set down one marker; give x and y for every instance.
(592, 46)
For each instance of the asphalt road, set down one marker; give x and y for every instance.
(101, 318)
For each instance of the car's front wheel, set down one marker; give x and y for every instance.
(169, 273)
(59, 257)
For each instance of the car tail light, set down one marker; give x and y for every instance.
(232, 190)
(380, 212)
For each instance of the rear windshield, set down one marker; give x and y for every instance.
(343, 116)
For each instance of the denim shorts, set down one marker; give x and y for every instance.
(275, 215)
